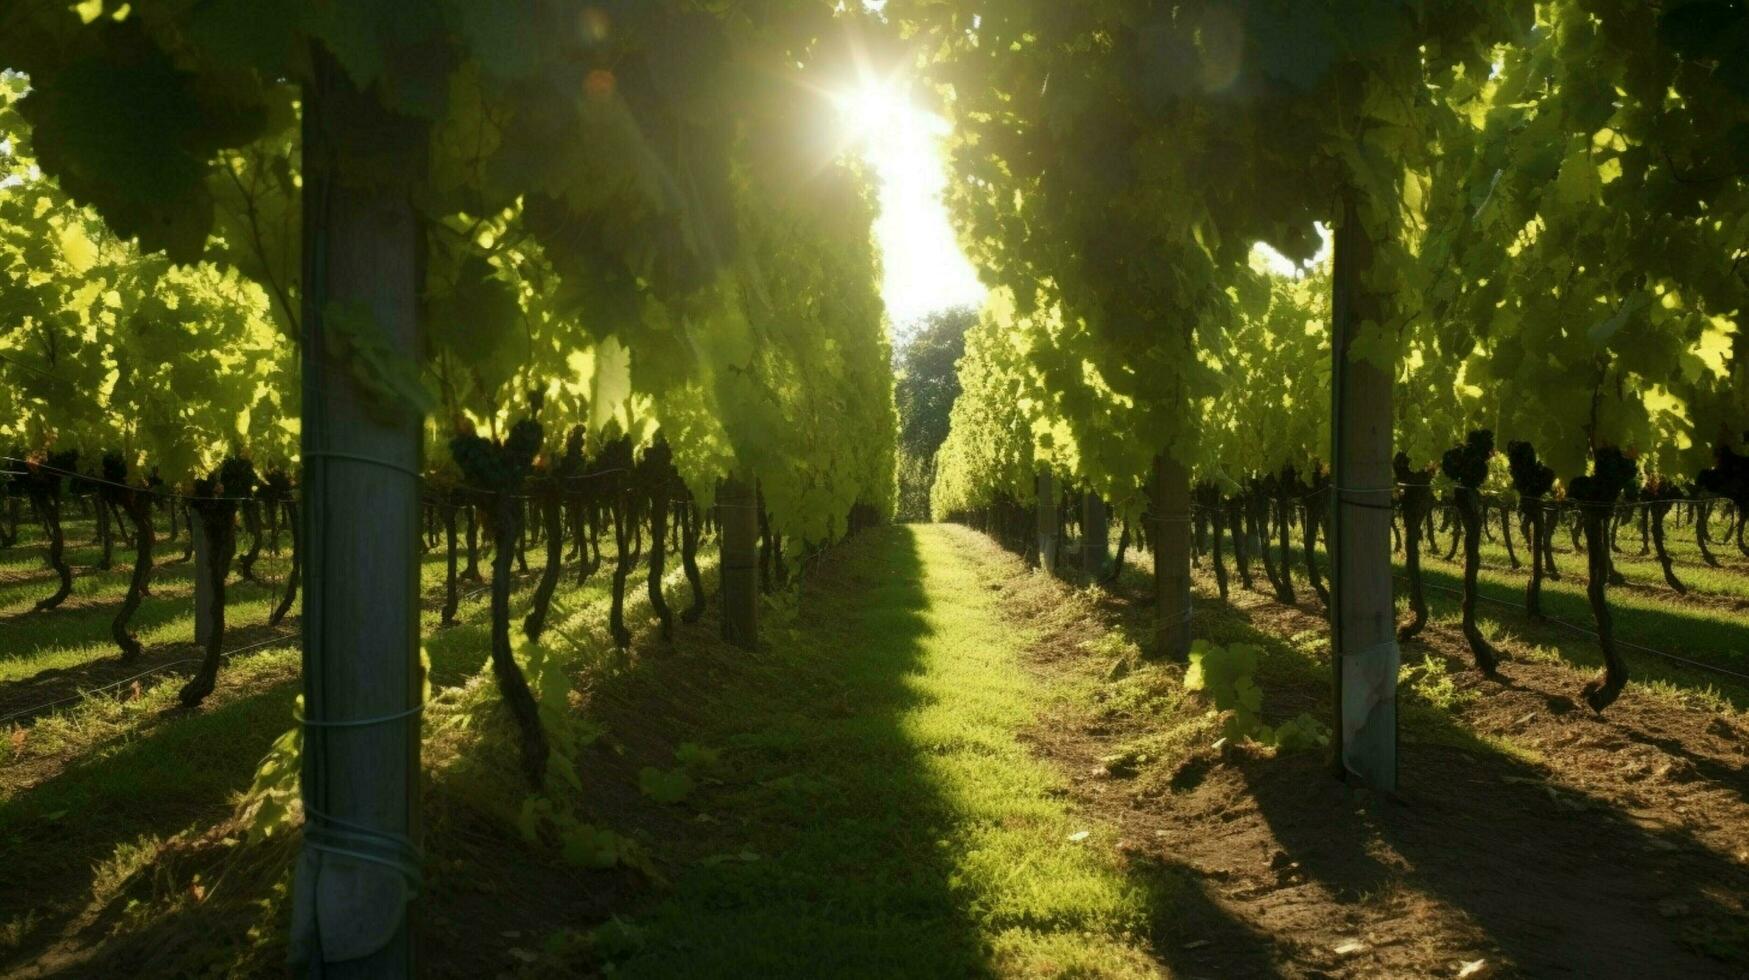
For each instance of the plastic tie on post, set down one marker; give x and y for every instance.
(343, 838)
(332, 835)
(1365, 698)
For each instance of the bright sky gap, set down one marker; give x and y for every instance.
(922, 265)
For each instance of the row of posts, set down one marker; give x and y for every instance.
(1095, 530)
(1364, 655)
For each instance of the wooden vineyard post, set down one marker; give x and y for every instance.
(1171, 545)
(1047, 520)
(1364, 653)
(362, 246)
(1095, 536)
(738, 513)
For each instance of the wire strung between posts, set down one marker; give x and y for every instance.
(153, 491)
(1495, 499)
(1715, 499)
(568, 481)
(1343, 500)
(1549, 504)
(358, 723)
(1698, 665)
(85, 695)
(371, 460)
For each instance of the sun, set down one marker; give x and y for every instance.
(870, 107)
(923, 267)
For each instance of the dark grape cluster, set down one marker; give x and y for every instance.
(491, 466)
(276, 485)
(523, 444)
(1728, 477)
(599, 479)
(81, 484)
(1660, 489)
(1611, 473)
(572, 464)
(616, 455)
(46, 479)
(236, 477)
(1530, 476)
(1468, 464)
(1407, 474)
(115, 467)
(656, 470)
(479, 461)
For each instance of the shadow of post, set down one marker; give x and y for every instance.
(181, 769)
(1557, 879)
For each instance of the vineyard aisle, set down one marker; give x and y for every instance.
(944, 763)
(884, 815)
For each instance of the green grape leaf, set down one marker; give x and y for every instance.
(664, 785)
(392, 377)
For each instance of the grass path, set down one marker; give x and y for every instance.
(879, 813)
(85, 794)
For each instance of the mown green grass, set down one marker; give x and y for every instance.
(878, 812)
(1704, 635)
(1709, 627)
(1709, 631)
(90, 793)
(883, 818)
(78, 632)
(83, 786)
(1729, 578)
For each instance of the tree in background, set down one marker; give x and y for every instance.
(928, 384)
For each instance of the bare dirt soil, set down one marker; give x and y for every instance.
(1530, 837)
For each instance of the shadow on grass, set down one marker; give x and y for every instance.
(823, 843)
(85, 623)
(183, 772)
(818, 852)
(85, 619)
(154, 776)
(167, 771)
(1694, 633)
(1557, 879)
(828, 842)
(1704, 639)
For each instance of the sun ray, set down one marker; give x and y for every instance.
(923, 265)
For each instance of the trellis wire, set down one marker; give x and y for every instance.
(85, 695)
(1575, 627)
